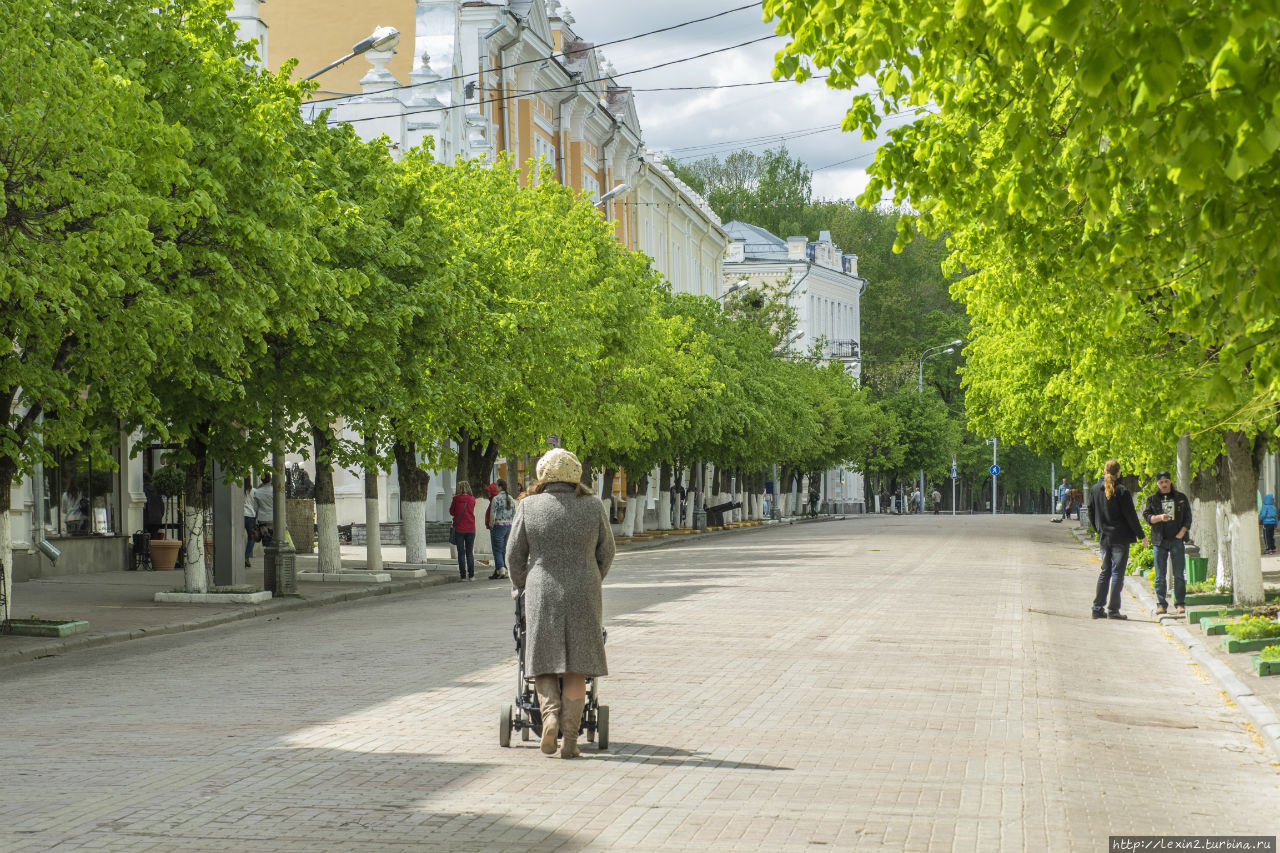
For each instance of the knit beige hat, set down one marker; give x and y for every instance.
(559, 466)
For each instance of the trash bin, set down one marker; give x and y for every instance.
(1197, 569)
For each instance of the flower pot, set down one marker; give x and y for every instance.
(164, 554)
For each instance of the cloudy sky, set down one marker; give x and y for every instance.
(691, 124)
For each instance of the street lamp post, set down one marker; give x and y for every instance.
(940, 349)
(383, 38)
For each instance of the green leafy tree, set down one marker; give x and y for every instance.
(1127, 149)
(89, 169)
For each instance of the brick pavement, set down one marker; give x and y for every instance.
(913, 683)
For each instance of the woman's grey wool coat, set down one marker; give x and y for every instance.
(560, 549)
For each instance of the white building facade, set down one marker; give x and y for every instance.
(823, 286)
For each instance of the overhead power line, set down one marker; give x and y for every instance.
(571, 85)
(545, 58)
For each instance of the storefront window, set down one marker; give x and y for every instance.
(81, 498)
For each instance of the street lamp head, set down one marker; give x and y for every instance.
(949, 349)
(383, 38)
(737, 286)
(956, 344)
(619, 189)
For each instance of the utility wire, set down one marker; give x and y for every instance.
(694, 88)
(572, 85)
(476, 74)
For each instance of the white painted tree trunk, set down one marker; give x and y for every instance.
(413, 521)
(6, 561)
(1246, 559)
(373, 533)
(329, 548)
(664, 510)
(629, 517)
(1222, 529)
(197, 578)
(484, 545)
(687, 521)
(1204, 529)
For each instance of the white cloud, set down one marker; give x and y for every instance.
(680, 120)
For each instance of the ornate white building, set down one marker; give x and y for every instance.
(482, 79)
(824, 287)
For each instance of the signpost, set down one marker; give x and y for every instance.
(953, 484)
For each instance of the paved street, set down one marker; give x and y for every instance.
(879, 683)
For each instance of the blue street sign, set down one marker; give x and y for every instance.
(953, 472)
(995, 470)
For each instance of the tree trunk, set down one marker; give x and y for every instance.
(1203, 495)
(8, 470)
(1243, 459)
(664, 496)
(414, 485)
(196, 575)
(1222, 523)
(475, 461)
(328, 547)
(372, 527)
(690, 495)
(610, 474)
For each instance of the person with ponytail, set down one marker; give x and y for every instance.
(1112, 515)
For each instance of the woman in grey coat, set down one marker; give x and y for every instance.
(560, 549)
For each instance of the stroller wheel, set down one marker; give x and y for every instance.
(602, 723)
(504, 726)
(525, 730)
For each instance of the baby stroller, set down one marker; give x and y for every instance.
(525, 714)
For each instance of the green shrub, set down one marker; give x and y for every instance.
(1204, 586)
(1141, 558)
(1254, 628)
(1271, 653)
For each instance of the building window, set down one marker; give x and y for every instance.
(81, 498)
(544, 149)
(591, 186)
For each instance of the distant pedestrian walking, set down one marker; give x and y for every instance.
(462, 509)
(1064, 498)
(937, 500)
(1112, 515)
(1267, 518)
(561, 548)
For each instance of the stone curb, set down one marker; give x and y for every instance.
(322, 599)
(1262, 717)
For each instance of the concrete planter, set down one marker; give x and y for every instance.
(1215, 627)
(1231, 644)
(300, 515)
(346, 576)
(1194, 616)
(1208, 598)
(47, 627)
(1265, 667)
(213, 597)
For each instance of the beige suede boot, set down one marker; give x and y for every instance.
(548, 687)
(570, 722)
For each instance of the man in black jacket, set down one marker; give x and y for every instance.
(1112, 515)
(1169, 513)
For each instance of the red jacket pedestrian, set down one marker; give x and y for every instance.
(463, 510)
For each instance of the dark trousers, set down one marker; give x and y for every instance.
(250, 522)
(1269, 535)
(1111, 578)
(1171, 554)
(466, 554)
(498, 538)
